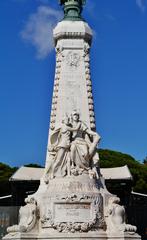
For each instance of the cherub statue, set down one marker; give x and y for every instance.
(116, 218)
(27, 217)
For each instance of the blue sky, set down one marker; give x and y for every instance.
(27, 62)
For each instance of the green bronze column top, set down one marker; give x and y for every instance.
(72, 9)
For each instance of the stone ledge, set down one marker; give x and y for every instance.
(84, 236)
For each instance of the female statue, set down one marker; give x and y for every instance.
(72, 147)
(82, 147)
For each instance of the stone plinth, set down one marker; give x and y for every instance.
(100, 235)
(69, 208)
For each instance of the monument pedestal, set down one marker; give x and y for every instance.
(70, 208)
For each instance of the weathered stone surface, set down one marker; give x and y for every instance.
(72, 201)
(101, 235)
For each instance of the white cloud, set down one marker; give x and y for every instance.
(38, 30)
(141, 4)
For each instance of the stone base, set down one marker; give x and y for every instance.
(125, 236)
(101, 235)
(70, 209)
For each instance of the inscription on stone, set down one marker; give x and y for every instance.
(72, 212)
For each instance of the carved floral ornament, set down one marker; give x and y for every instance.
(93, 203)
(59, 54)
(86, 49)
(73, 59)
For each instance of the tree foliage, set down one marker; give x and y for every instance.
(109, 158)
(145, 161)
(5, 173)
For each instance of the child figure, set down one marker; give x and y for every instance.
(59, 165)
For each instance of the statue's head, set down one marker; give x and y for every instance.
(72, 9)
(75, 115)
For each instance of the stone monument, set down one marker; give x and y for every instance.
(72, 201)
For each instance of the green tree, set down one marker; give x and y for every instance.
(5, 173)
(109, 158)
(145, 161)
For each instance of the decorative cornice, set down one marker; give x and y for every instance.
(74, 35)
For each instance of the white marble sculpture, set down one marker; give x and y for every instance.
(116, 218)
(72, 201)
(27, 217)
(71, 149)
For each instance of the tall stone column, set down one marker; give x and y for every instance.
(72, 86)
